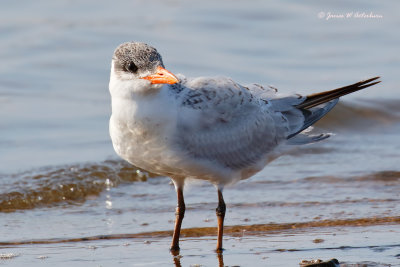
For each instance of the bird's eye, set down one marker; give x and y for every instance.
(131, 67)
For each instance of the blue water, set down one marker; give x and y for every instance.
(56, 60)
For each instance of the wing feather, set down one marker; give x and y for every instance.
(236, 126)
(224, 123)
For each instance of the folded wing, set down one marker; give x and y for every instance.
(237, 127)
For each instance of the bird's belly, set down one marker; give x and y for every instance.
(149, 147)
(143, 146)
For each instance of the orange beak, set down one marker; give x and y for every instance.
(162, 76)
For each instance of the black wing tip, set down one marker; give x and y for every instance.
(322, 97)
(362, 84)
(368, 85)
(369, 81)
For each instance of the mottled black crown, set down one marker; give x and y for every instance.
(141, 55)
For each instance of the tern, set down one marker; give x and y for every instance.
(207, 128)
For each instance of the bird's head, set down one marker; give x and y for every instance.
(138, 67)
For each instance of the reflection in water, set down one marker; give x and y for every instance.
(177, 258)
(220, 257)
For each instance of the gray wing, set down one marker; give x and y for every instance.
(223, 122)
(235, 126)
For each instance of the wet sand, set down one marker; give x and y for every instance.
(375, 245)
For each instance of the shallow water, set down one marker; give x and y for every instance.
(60, 180)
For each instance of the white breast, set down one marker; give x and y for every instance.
(140, 128)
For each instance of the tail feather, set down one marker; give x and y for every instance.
(315, 106)
(320, 98)
(313, 115)
(302, 139)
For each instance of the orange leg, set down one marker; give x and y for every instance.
(220, 217)
(180, 213)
